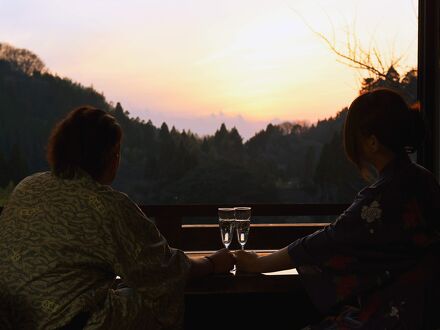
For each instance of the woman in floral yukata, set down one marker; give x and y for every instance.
(66, 234)
(377, 265)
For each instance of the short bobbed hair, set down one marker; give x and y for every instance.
(85, 140)
(385, 114)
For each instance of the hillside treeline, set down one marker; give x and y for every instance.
(286, 163)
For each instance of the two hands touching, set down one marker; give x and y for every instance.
(224, 260)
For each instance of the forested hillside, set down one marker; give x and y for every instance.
(287, 163)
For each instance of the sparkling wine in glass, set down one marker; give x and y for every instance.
(226, 219)
(242, 224)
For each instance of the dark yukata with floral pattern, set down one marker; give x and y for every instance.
(377, 265)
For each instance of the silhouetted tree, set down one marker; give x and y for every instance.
(21, 59)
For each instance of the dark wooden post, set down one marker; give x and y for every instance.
(429, 81)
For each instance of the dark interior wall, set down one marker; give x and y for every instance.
(429, 81)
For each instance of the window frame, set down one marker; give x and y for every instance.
(428, 82)
(428, 95)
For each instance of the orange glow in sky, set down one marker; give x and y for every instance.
(255, 60)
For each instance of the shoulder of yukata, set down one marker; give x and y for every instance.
(122, 207)
(31, 180)
(105, 200)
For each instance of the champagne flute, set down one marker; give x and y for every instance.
(242, 224)
(226, 219)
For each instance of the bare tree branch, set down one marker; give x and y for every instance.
(351, 57)
(356, 56)
(378, 59)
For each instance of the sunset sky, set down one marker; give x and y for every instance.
(195, 64)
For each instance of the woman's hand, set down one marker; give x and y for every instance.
(223, 261)
(250, 262)
(247, 261)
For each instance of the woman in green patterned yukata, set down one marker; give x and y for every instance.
(66, 234)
